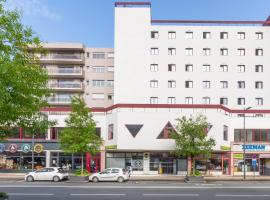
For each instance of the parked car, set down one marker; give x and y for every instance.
(51, 174)
(110, 174)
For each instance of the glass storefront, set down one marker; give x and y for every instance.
(238, 163)
(68, 161)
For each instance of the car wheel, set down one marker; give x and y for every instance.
(120, 179)
(95, 179)
(56, 179)
(30, 179)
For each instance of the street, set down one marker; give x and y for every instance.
(134, 190)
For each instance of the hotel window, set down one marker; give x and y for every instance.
(171, 84)
(98, 69)
(241, 35)
(153, 84)
(259, 85)
(98, 96)
(189, 35)
(259, 101)
(223, 68)
(223, 35)
(188, 84)
(259, 35)
(171, 34)
(154, 51)
(206, 84)
(223, 101)
(110, 69)
(154, 34)
(189, 100)
(171, 51)
(241, 101)
(206, 35)
(153, 100)
(154, 67)
(98, 55)
(98, 83)
(171, 100)
(224, 84)
(189, 68)
(110, 96)
(225, 133)
(110, 132)
(206, 68)
(241, 52)
(223, 52)
(241, 68)
(241, 84)
(258, 52)
(206, 100)
(189, 51)
(110, 83)
(258, 68)
(206, 51)
(171, 67)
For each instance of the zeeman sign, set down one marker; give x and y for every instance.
(251, 147)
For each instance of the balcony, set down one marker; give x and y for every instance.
(76, 86)
(59, 100)
(65, 72)
(76, 58)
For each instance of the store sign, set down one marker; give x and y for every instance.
(251, 147)
(13, 148)
(225, 148)
(238, 156)
(38, 148)
(2, 148)
(25, 148)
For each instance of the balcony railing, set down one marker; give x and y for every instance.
(60, 71)
(65, 85)
(62, 56)
(59, 100)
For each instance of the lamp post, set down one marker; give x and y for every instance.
(245, 138)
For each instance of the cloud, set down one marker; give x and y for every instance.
(33, 8)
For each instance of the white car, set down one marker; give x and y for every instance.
(47, 174)
(110, 174)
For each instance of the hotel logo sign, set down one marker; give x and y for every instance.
(38, 148)
(13, 148)
(26, 148)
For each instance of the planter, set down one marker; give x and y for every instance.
(194, 179)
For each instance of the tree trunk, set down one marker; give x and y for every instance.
(82, 166)
(193, 165)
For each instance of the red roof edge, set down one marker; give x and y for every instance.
(267, 22)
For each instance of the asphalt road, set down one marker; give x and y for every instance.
(144, 190)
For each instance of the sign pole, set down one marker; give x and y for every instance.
(33, 137)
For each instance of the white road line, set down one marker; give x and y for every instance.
(183, 195)
(242, 195)
(30, 194)
(97, 194)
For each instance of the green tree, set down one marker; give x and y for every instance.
(80, 136)
(191, 138)
(23, 83)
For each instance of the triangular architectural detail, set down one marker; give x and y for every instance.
(165, 133)
(206, 130)
(134, 128)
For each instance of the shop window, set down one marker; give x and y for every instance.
(98, 131)
(257, 135)
(38, 134)
(55, 132)
(263, 135)
(239, 163)
(225, 133)
(12, 132)
(110, 132)
(165, 133)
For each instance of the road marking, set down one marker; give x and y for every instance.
(97, 194)
(242, 195)
(30, 194)
(184, 195)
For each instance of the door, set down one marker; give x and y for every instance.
(115, 173)
(41, 174)
(105, 176)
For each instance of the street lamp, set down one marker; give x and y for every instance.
(245, 137)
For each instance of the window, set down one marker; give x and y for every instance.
(224, 84)
(87, 54)
(206, 84)
(259, 85)
(223, 52)
(153, 100)
(223, 101)
(259, 101)
(98, 55)
(98, 69)
(241, 68)
(206, 51)
(153, 84)
(258, 68)
(206, 100)
(189, 35)
(171, 51)
(225, 133)
(206, 35)
(171, 84)
(188, 84)
(154, 67)
(206, 68)
(110, 96)
(154, 34)
(241, 52)
(223, 35)
(258, 52)
(110, 55)
(97, 96)
(189, 51)
(241, 101)
(171, 67)
(224, 68)
(154, 51)
(110, 69)
(241, 84)
(189, 68)
(241, 35)
(171, 100)
(171, 34)
(110, 131)
(259, 35)
(98, 83)
(110, 83)
(189, 100)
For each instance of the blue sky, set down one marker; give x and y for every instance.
(91, 21)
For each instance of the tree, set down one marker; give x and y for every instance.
(80, 136)
(23, 83)
(191, 138)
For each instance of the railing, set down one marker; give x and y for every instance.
(61, 56)
(66, 85)
(65, 71)
(59, 100)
